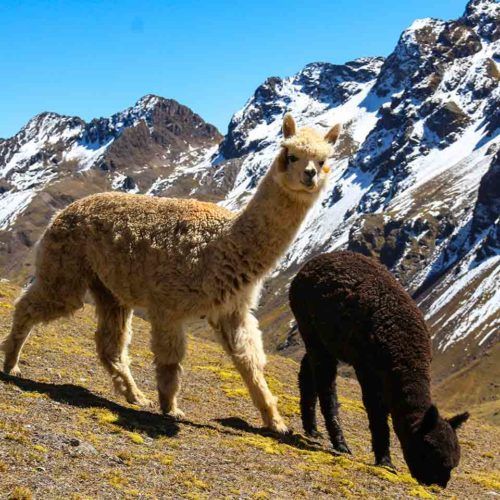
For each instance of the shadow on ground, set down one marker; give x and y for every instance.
(291, 439)
(152, 424)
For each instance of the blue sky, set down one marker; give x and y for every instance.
(92, 58)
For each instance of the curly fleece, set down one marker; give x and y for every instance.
(309, 143)
(350, 308)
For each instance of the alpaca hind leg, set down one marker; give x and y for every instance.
(325, 374)
(308, 397)
(41, 302)
(168, 343)
(242, 339)
(113, 336)
(378, 414)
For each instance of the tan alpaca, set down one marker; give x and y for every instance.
(178, 259)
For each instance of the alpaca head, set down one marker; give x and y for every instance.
(432, 449)
(301, 166)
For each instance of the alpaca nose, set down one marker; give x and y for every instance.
(310, 173)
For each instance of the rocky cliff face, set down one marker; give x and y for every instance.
(414, 181)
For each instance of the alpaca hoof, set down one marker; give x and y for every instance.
(341, 448)
(140, 400)
(387, 463)
(279, 427)
(176, 414)
(314, 433)
(14, 371)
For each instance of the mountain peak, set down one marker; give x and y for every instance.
(484, 6)
(483, 16)
(149, 101)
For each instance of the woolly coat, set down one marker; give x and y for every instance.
(364, 317)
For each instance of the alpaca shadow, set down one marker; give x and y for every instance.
(291, 439)
(152, 424)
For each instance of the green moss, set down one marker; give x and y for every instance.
(117, 480)
(125, 457)
(420, 492)
(135, 437)
(235, 392)
(34, 395)
(105, 416)
(20, 493)
(261, 495)
(267, 445)
(488, 480)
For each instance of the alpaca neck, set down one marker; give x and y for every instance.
(257, 237)
(410, 398)
(267, 226)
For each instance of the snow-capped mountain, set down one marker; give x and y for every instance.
(415, 179)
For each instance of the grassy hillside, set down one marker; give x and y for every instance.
(476, 385)
(63, 433)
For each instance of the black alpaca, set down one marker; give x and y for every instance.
(350, 308)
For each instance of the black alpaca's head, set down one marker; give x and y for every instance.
(432, 450)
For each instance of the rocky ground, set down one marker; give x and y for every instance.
(65, 434)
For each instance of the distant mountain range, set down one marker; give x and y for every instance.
(415, 179)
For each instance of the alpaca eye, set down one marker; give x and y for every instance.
(292, 159)
(321, 163)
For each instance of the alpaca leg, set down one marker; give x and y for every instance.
(168, 344)
(112, 339)
(241, 338)
(378, 414)
(308, 397)
(39, 303)
(325, 373)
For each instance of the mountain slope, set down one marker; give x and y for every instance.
(64, 433)
(414, 179)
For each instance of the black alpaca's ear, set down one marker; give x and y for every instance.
(333, 134)
(458, 420)
(429, 420)
(289, 127)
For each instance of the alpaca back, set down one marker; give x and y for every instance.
(359, 310)
(137, 245)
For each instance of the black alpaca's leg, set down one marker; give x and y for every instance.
(308, 397)
(378, 413)
(325, 373)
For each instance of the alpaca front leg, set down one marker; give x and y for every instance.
(378, 414)
(242, 339)
(325, 374)
(168, 344)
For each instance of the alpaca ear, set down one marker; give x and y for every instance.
(333, 134)
(429, 420)
(458, 420)
(282, 159)
(289, 127)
